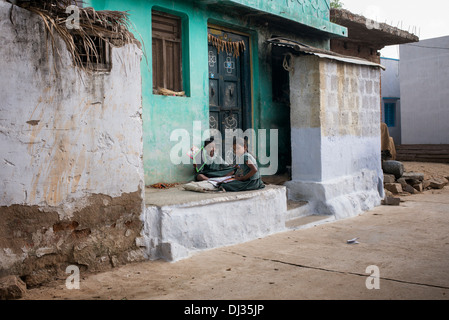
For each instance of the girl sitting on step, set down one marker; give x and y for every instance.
(247, 176)
(208, 164)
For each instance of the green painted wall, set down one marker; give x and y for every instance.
(313, 13)
(163, 114)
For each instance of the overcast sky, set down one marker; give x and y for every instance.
(429, 18)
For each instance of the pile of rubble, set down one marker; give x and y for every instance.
(397, 182)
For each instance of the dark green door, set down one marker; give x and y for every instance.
(229, 87)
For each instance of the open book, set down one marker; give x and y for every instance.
(217, 181)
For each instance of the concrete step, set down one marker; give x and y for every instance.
(300, 216)
(178, 223)
(297, 209)
(307, 221)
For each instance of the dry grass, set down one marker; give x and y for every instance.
(234, 47)
(167, 92)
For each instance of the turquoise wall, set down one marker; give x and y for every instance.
(313, 13)
(163, 114)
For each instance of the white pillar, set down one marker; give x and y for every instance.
(335, 124)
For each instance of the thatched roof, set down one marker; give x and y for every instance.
(113, 26)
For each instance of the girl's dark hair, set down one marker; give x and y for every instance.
(241, 142)
(208, 141)
(244, 143)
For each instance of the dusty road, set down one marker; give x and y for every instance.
(408, 244)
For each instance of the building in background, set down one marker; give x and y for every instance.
(391, 98)
(415, 99)
(424, 107)
(424, 85)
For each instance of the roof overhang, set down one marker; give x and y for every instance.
(299, 48)
(364, 30)
(291, 15)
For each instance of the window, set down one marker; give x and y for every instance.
(390, 114)
(94, 55)
(167, 52)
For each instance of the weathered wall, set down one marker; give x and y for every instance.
(335, 135)
(424, 92)
(313, 13)
(71, 170)
(355, 49)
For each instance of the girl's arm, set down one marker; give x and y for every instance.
(230, 174)
(253, 171)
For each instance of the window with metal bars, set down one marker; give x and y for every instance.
(95, 54)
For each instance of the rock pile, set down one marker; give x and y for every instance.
(399, 182)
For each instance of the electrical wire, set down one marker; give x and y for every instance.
(420, 46)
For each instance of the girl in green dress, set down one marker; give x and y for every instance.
(247, 176)
(211, 165)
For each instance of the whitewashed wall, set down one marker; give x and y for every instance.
(335, 114)
(424, 81)
(71, 169)
(64, 137)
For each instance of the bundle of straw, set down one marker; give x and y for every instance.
(167, 92)
(234, 47)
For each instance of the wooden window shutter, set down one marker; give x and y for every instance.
(390, 114)
(167, 51)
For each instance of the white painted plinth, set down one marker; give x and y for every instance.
(174, 232)
(341, 197)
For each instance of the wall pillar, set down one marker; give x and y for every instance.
(336, 161)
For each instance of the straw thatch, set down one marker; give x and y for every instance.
(110, 26)
(167, 92)
(234, 47)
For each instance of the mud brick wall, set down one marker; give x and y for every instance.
(356, 49)
(71, 170)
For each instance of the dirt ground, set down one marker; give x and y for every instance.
(430, 170)
(407, 243)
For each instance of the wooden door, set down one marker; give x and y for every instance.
(229, 87)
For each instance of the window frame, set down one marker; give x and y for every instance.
(180, 85)
(103, 62)
(391, 123)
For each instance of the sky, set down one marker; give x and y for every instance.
(429, 18)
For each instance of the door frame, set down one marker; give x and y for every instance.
(247, 90)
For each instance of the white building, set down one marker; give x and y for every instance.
(424, 87)
(391, 98)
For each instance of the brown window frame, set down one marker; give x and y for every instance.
(167, 51)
